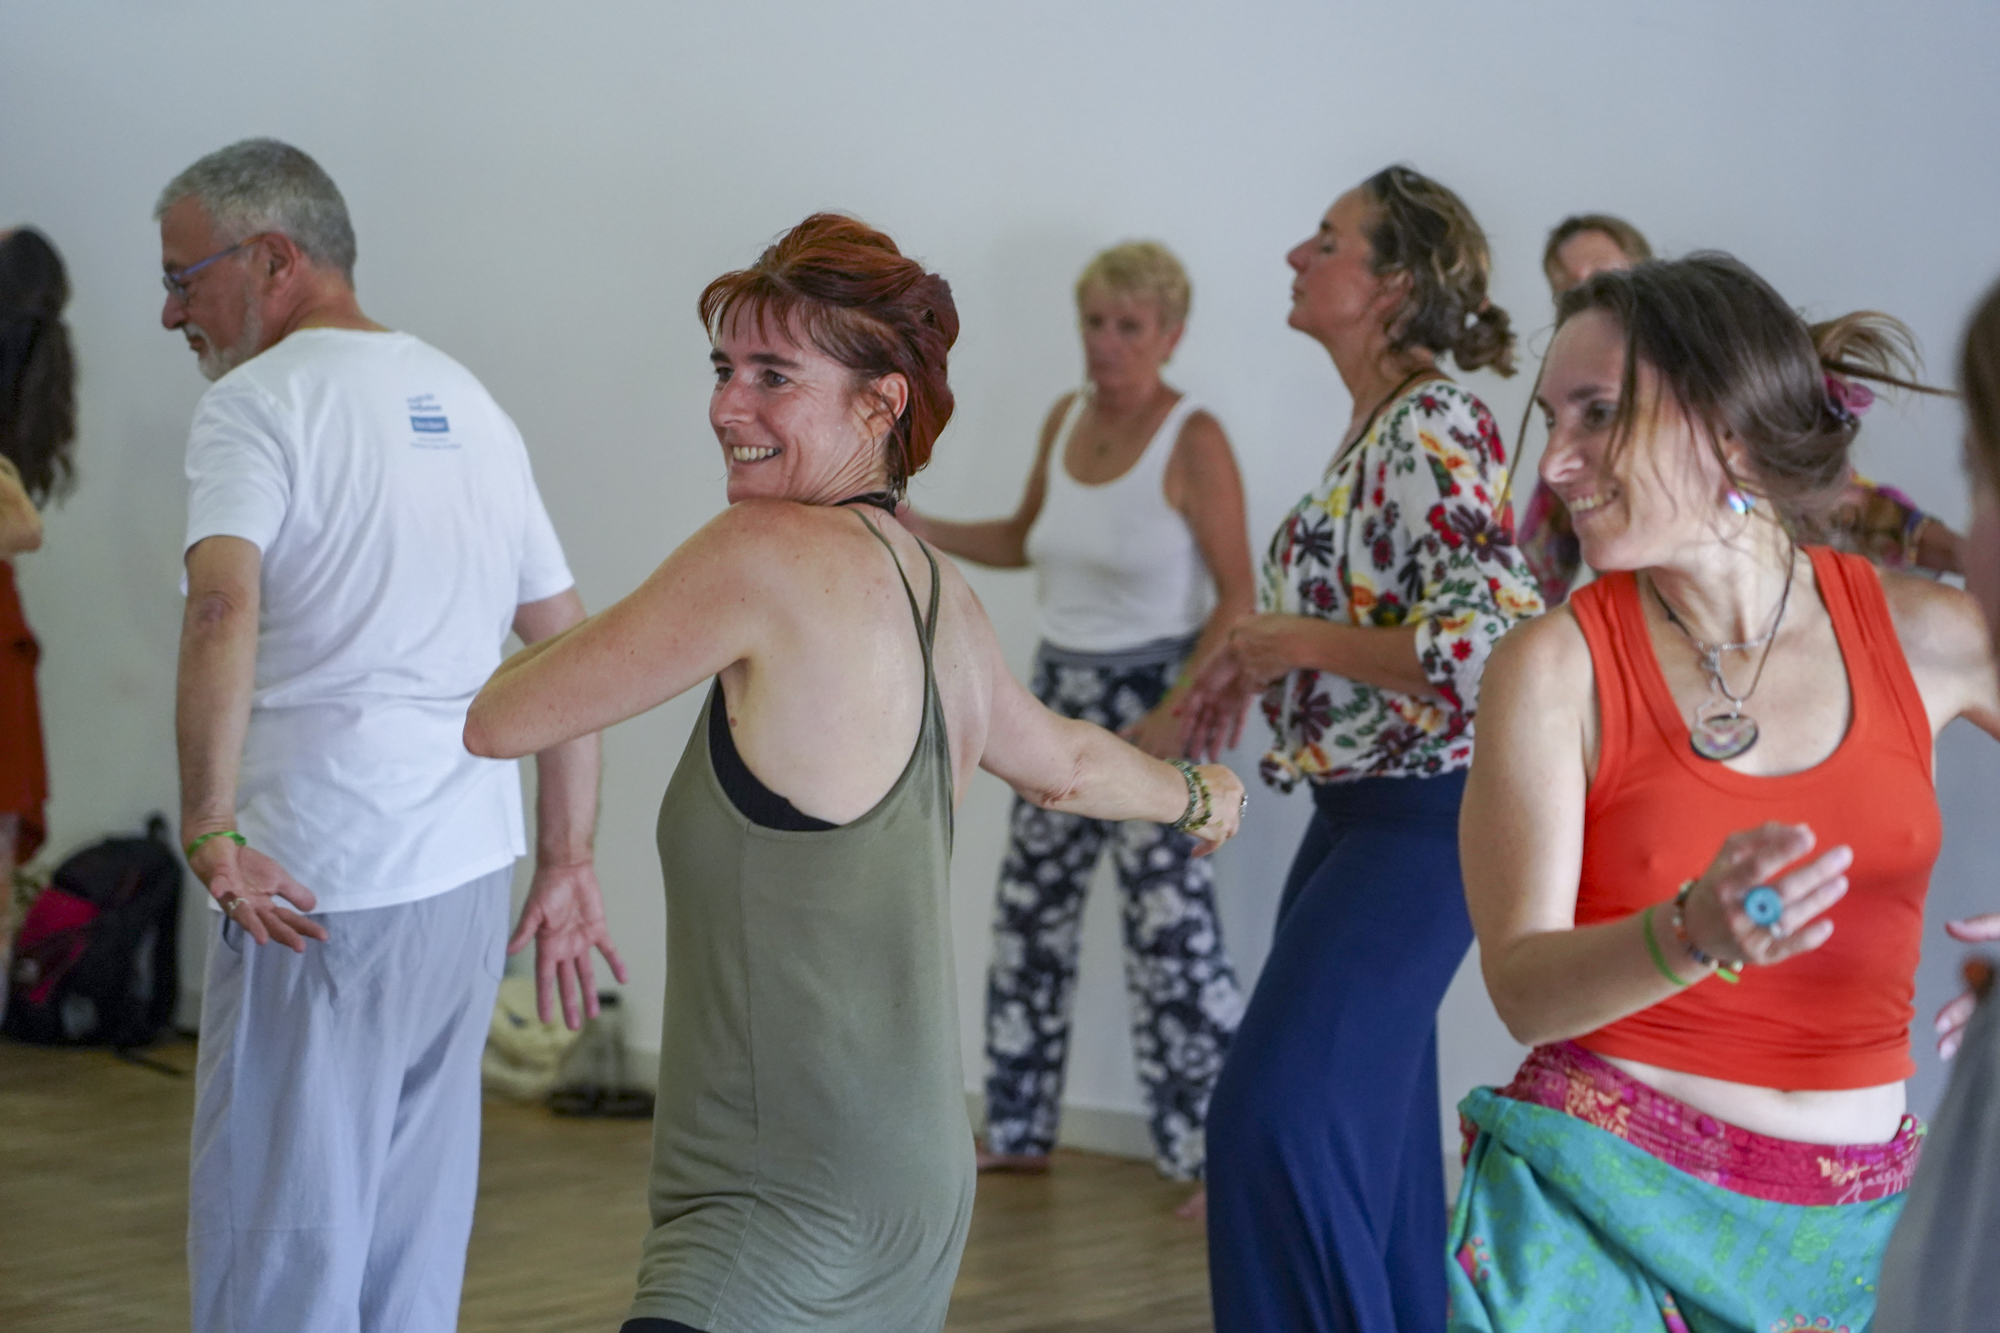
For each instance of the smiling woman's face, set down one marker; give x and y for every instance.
(791, 422)
(1661, 491)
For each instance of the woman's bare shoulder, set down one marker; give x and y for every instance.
(1546, 656)
(1203, 442)
(1940, 629)
(778, 530)
(778, 557)
(1550, 641)
(1926, 609)
(957, 598)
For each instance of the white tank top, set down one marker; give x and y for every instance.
(1115, 565)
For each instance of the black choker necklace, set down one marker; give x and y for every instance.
(886, 501)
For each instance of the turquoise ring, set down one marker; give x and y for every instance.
(1763, 905)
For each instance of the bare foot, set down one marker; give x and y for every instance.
(1016, 1163)
(1196, 1207)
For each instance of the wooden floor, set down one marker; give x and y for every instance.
(93, 1198)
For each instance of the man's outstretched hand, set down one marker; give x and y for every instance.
(253, 889)
(564, 918)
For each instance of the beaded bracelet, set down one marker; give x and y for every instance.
(228, 833)
(1729, 972)
(1200, 803)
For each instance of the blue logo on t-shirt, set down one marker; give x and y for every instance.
(428, 420)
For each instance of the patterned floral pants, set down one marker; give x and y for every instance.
(1185, 1001)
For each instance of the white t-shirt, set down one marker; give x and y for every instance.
(400, 527)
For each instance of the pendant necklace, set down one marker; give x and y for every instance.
(1101, 447)
(1722, 730)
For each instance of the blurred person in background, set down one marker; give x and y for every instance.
(1939, 1275)
(1870, 519)
(37, 435)
(1133, 523)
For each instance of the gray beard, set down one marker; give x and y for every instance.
(219, 361)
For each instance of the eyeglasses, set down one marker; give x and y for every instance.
(176, 281)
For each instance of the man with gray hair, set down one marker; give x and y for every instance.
(363, 531)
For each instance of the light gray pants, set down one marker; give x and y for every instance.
(1939, 1274)
(336, 1120)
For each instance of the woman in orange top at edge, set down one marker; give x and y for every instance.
(1698, 832)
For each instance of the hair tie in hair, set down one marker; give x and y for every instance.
(1847, 400)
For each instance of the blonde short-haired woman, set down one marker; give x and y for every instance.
(1133, 522)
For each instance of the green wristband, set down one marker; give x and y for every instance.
(1653, 948)
(228, 833)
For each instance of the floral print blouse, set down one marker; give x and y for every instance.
(1408, 529)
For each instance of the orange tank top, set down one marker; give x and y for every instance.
(1838, 1017)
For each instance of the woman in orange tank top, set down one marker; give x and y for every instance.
(1698, 832)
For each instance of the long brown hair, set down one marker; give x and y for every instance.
(846, 287)
(1736, 361)
(37, 369)
(1423, 229)
(1979, 382)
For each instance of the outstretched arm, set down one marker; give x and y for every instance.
(1062, 764)
(564, 914)
(999, 542)
(700, 611)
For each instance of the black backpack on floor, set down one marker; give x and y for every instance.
(95, 961)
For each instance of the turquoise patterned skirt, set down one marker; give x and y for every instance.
(1617, 1209)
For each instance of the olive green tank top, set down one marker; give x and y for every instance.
(812, 1157)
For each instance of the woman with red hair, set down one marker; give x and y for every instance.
(812, 1164)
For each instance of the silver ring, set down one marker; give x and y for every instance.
(1243, 805)
(230, 904)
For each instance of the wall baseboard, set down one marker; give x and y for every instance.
(1100, 1129)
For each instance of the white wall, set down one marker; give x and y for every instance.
(542, 190)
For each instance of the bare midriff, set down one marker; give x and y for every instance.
(1836, 1116)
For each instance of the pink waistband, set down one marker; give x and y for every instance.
(1565, 1077)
